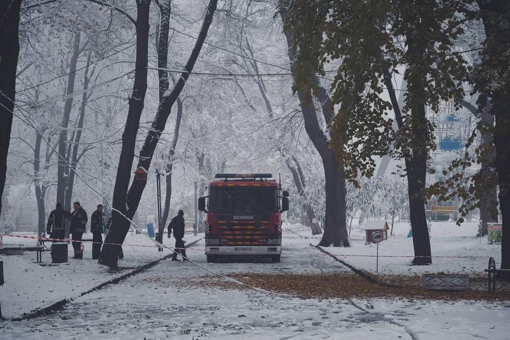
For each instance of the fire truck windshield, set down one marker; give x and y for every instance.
(243, 200)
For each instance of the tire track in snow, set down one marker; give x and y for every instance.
(372, 317)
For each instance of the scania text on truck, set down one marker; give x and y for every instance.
(244, 216)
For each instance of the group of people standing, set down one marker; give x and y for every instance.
(56, 228)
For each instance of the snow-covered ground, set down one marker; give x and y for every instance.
(161, 303)
(454, 249)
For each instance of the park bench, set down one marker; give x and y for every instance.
(446, 209)
(442, 211)
(492, 274)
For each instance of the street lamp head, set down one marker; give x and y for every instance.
(157, 165)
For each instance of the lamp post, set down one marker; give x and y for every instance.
(158, 166)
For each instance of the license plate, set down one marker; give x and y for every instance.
(242, 249)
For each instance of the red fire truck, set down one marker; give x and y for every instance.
(244, 216)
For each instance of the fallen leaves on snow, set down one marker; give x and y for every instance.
(349, 286)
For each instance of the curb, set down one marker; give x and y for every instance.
(60, 304)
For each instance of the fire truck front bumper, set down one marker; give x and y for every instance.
(243, 250)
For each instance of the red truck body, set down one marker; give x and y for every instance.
(244, 216)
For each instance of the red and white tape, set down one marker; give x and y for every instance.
(68, 240)
(233, 251)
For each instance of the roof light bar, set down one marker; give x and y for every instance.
(243, 176)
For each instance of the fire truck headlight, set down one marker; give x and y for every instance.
(212, 241)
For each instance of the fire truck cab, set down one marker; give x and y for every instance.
(244, 216)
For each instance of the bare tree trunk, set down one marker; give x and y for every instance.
(416, 168)
(164, 84)
(203, 170)
(41, 211)
(40, 184)
(502, 141)
(350, 223)
(127, 205)
(488, 207)
(300, 183)
(488, 203)
(164, 111)
(9, 52)
(74, 157)
(62, 145)
(170, 165)
(421, 238)
(162, 46)
(39, 192)
(300, 186)
(392, 222)
(309, 210)
(416, 157)
(495, 14)
(335, 225)
(120, 225)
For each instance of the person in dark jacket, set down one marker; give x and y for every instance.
(177, 224)
(78, 227)
(56, 226)
(108, 226)
(96, 228)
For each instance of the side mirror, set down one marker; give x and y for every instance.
(201, 204)
(285, 193)
(285, 204)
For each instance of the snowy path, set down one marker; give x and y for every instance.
(157, 304)
(154, 305)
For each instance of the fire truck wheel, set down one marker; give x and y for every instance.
(275, 258)
(211, 258)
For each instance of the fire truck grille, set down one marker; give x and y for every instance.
(243, 232)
